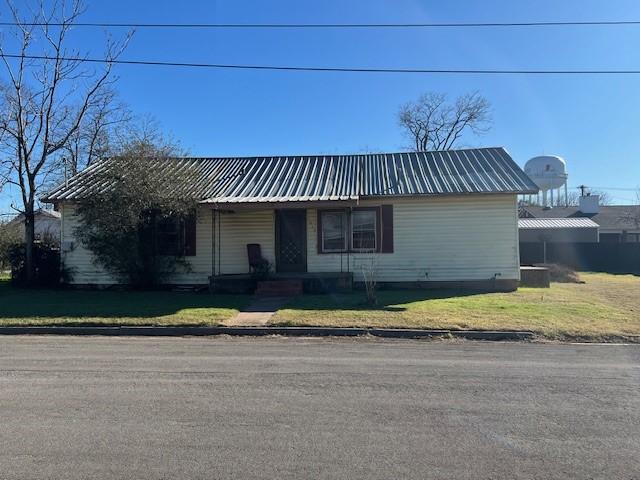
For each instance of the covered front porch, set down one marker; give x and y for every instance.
(284, 237)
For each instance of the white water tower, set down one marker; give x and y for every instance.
(549, 172)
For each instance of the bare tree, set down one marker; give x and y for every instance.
(47, 94)
(144, 135)
(432, 123)
(632, 213)
(98, 134)
(573, 199)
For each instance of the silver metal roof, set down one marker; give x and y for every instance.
(545, 223)
(326, 177)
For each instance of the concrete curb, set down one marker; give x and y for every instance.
(178, 331)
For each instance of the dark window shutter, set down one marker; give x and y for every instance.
(190, 236)
(387, 228)
(319, 228)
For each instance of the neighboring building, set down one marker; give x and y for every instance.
(617, 223)
(559, 230)
(46, 225)
(435, 219)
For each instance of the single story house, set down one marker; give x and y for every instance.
(447, 218)
(617, 223)
(46, 224)
(559, 230)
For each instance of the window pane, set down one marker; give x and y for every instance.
(334, 227)
(364, 230)
(169, 236)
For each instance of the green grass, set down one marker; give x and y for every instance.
(87, 307)
(605, 305)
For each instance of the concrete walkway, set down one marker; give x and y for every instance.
(258, 312)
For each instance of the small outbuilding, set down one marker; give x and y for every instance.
(618, 223)
(558, 230)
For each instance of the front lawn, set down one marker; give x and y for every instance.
(605, 305)
(85, 307)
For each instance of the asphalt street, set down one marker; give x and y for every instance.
(181, 408)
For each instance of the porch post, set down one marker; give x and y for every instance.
(215, 241)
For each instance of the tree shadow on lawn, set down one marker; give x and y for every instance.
(388, 300)
(79, 304)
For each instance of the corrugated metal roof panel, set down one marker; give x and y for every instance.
(326, 177)
(542, 223)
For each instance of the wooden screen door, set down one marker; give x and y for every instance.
(291, 240)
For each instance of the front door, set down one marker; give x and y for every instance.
(291, 240)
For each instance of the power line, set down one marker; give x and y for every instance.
(336, 25)
(329, 69)
(611, 188)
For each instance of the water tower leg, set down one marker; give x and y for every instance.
(551, 191)
(566, 196)
(544, 198)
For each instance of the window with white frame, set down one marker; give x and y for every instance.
(363, 230)
(334, 231)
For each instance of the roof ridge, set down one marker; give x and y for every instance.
(314, 155)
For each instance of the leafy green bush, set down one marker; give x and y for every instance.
(9, 238)
(119, 224)
(47, 264)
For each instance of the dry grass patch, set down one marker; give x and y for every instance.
(605, 305)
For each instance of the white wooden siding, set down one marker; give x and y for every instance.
(85, 270)
(471, 237)
(439, 239)
(78, 259)
(236, 231)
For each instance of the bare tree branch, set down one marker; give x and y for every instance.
(44, 103)
(433, 124)
(632, 213)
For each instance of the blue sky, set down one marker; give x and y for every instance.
(591, 121)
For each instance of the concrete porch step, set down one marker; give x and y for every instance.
(279, 288)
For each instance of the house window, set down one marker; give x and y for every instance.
(366, 229)
(169, 236)
(175, 236)
(363, 230)
(334, 231)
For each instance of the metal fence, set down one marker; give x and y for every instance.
(593, 257)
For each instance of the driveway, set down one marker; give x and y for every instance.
(78, 408)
